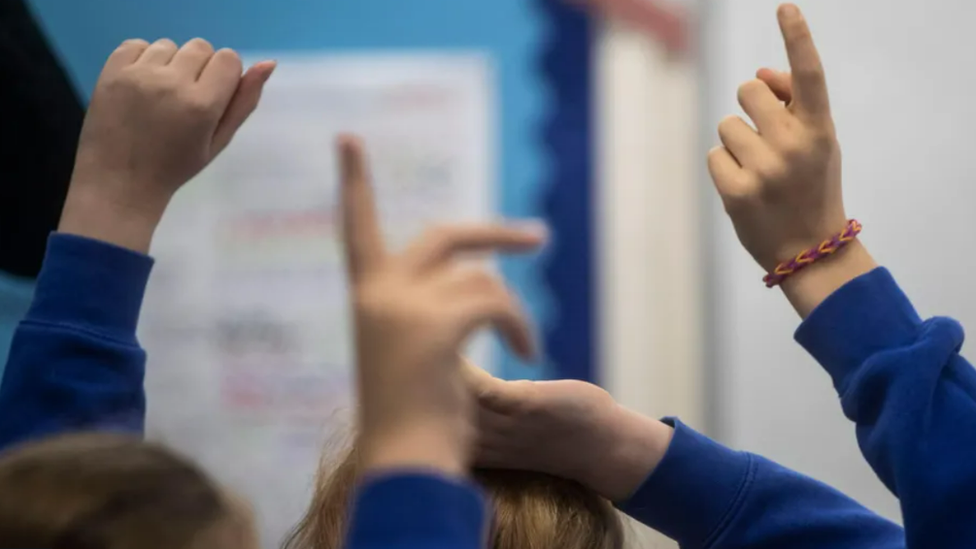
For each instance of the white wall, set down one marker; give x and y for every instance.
(649, 208)
(649, 232)
(902, 76)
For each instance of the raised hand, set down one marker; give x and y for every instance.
(781, 182)
(413, 313)
(158, 115)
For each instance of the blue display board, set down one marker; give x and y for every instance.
(570, 271)
(541, 50)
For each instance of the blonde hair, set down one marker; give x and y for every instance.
(106, 491)
(531, 510)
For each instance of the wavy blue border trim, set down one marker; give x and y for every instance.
(567, 202)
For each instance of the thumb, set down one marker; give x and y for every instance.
(475, 378)
(486, 388)
(780, 82)
(242, 104)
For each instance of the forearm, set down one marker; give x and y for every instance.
(109, 216)
(702, 494)
(705, 495)
(74, 361)
(809, 287)
(635, 446)
(438, 448)
(913, 398)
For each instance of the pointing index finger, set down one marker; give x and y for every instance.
(809, 83)
(361, 229)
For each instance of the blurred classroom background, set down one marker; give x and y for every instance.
(594, 116)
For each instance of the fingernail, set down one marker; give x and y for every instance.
(789, 10)
(267, 75)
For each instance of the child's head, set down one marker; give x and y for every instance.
(531, 510)
(106, 491)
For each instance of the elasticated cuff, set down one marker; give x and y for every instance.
(693, 491)
(91, 285)
(401, 510)
(867, 315)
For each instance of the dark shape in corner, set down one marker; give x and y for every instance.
(40, 120)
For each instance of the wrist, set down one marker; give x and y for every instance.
(432, 448)
(808, 288)
(93, 213)
(634, 448)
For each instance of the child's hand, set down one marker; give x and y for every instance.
(567, 428)
(158, 115)
(781, 183)
(413, 313)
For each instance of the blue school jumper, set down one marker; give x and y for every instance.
(75, 363)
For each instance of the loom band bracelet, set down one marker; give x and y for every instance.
(806, 258)
(812, 255)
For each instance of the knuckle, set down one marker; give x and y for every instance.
(822, 140)
(810, 74)
(794, 148)
(773, 170)
(117, 82)
(165, 43)
(737, 200)
(489, 396)
(230, 57)
(749, 89)
(728, 124)
(740, 187)
(137, 81)
(134, 42)
(784, 125)
(197, 105)
(190, 100)
(738, 192)
(199, 44)
(529, 403)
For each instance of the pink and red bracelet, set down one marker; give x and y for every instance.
(808, 257)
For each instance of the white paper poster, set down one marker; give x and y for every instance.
(246, 320)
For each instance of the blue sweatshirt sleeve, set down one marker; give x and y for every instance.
(74, 361)
(704, 495)
(912, 398)
(386, 514)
